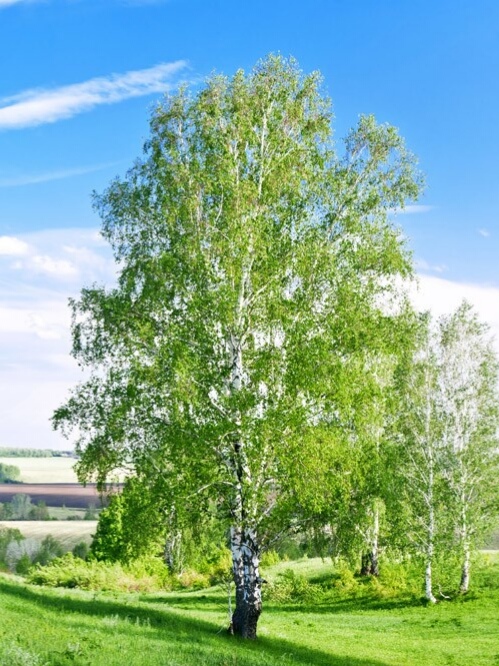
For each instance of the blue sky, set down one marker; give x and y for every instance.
(78, 81)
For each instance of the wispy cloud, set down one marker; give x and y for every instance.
(423, 265)
(35, 178)
(40, 106)
(8, 3)
(484, 232)
(413, 209)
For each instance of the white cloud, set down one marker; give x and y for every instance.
(59, 267)
(12, 246)
(484, 232)
(36, 369)
(444, 296)
(40, 106)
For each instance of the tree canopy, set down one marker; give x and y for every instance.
(259, 280)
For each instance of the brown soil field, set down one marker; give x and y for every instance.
(54, 494)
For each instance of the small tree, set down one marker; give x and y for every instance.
(420, 452)
(9, 473)
(468, 386)
(254, 265)
(21, 506)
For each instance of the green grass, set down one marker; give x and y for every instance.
(187, 629)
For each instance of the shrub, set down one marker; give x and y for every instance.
(17, 550)
(49, 550)
(292, 587)
(81, 550)
(9, 473)
(23, 564)
(269, 558)
(7, 536)
(193, 579)
(68, 571)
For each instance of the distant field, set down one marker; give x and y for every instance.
(44, 470)
(54, 494)
(51, 470)
(69, 533)
(64, 512)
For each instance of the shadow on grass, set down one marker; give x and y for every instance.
(177, 630)
(346, 605)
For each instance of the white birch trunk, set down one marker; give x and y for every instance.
(245, 564)
(429, 551)
(466, 565)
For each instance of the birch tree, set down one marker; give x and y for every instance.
(421, 454)
(253, 260)
(468, 386)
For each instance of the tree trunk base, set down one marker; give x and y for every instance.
(369, 565)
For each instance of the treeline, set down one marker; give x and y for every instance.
(6, 452)
(21, 507)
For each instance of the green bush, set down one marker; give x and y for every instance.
(81, 550)
(23, 564)
(7, 535)
(270, 558)
(69, 571)
(9, 473)
(50, 549)
(292, 587)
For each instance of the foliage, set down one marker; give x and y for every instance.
(7, 536)
(9, 473)
(23, 552)
(21, 506)
(50, 549)
(256, 267)
(91, 512)
(69, 571)
(81, 550)
(131, 526)
(448, 450)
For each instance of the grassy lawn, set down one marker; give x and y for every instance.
(187, 629)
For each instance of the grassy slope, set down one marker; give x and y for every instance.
(180, 629)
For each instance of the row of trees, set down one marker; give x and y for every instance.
(424, 480)
(256, 356)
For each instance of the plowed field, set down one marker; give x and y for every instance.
(54, 494)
